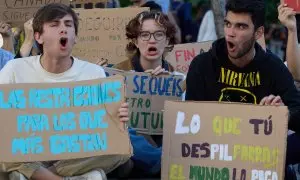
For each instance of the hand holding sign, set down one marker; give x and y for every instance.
(295, 4)
(123, 115)
(286, 15)
(272, 101)
(4, 28)
(157, 71)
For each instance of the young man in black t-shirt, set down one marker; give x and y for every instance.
(237, 69)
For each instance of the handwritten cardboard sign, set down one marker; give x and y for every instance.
(102, 34)
(295, 4)
(182, 54)
(146, 95)
(56, 121)
(223, 141)
(17, 12)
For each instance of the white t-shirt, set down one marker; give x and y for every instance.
(30, 70)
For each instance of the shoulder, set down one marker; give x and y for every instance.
(276, 67)
(274, 62)
(21, 63)
(202, 60)
(6, 54)
(14, 67)
(89, 69)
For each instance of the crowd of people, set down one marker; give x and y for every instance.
(41, 52)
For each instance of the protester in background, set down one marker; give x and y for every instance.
(182, 11)
(25, 42)
(164, 4)
(55, 28)
(153, 6)
(5, 30)
(5, 55)
(207, 29)
(238, 53)
(150, 34)
(288, 19)
(113, 4)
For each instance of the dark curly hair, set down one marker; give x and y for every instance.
(255, 8)
(134, 26)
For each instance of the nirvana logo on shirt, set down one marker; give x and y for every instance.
(238, 83)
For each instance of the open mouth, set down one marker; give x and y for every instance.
(63, 41)
(152, 49)
(230, 46)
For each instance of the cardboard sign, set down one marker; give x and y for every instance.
(182, 54)
(102, 34)
(295, 4)
(56, 121)
(223, 141)
(113, 71)
(146, 95)
(17, 12)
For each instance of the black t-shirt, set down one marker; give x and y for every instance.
(212, 77)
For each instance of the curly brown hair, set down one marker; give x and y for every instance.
(134, 26)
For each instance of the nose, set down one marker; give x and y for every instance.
(152, 39)
(63, 29)
(230, 32)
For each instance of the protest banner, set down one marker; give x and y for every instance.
(227, 141)
(17, 12)
(146, 95)
(57, 121)
(182, 54)
(102, 34)
(295, 4)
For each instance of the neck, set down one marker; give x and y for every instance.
(56, 65)
(245, 60)
(146, 64)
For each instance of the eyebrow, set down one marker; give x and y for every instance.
(226, 21)
(58, 20)
(68, 21)
(242, 24)
(237, 24)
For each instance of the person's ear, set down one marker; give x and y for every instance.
(259, 32)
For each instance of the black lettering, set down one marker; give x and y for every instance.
(243, 174)
(205, 147)
(268, 130)
(185, 150)
(256, 123)
(195, 149)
